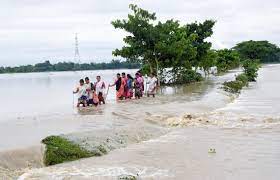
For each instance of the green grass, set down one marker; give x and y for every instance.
(59, 150)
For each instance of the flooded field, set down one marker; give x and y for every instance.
(244, 131)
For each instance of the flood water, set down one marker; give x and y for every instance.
(244, 130)
(35, 105)
(40, 104)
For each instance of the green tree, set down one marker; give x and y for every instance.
(174, 48)
(140, 43)
(262, 50)
(227, 59)
(42, 67)
(164, 44)
(208, 61)
(203, 31)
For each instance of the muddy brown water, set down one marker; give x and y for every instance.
(244, 131)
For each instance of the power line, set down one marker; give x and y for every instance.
(77, 54)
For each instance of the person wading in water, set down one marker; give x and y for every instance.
(125, 85)
(100, 87)
(120, 85)
(129, 85)
(152, 82)
(81, 90)
(89, 88)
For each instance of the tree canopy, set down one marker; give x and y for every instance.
(166, 44)
(227, 59)
(262, 50)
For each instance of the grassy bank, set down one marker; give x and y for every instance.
(59, 150)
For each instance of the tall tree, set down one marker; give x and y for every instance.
(140, 43)
(163, 44)
(203, 30)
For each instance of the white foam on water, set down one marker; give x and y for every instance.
(87, 172)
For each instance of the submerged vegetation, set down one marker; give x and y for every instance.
(251, 68)
(250, 74)
(59, 150)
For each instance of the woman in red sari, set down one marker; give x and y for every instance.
(120, 85)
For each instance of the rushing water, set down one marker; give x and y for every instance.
(245, 131)
(40, 104)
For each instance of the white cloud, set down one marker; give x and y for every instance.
(32, 30)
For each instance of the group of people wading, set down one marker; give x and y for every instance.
(127, 87)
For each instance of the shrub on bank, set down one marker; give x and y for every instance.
(59, 150)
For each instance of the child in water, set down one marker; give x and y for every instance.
(81, 90)
(95, 99)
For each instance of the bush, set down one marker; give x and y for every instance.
(251, 68)
(59, 150)
(243, 78)
(233, 86)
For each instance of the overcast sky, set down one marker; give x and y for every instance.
(35, 30)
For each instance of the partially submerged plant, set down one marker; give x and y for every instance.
(59, 150)
(251, 68)
(243, 78)
(233, 86)
(127, 177)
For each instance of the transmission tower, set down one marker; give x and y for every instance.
(77, 54)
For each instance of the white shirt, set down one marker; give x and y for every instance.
(99, 87)
(152, 84)
(82, 90)
(89, 92)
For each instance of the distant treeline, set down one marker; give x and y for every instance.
(69, 66)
